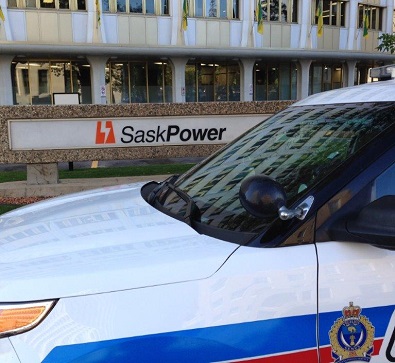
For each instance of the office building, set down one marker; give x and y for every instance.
(154, 51)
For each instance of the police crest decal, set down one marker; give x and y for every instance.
(352, 336)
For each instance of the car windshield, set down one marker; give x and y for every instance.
(297, 147)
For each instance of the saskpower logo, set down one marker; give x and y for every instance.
(158, 134)
(105, 133)
(171, 133)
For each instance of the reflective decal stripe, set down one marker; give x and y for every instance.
(269, 341)
(296, 357)
(211, 344)
(302, 357)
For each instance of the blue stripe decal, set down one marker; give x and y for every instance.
(227, 342)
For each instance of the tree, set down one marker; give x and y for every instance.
(387, 43)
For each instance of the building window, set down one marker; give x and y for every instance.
(139, 82)
(325, 77)
(158, 7)
(48, 4)
(374, 15)
(209, 81)
(226, 9)
(35, 81)
(274, 81)
(333, 12)
(280, 10)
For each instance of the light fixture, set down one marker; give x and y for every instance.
(19, 318)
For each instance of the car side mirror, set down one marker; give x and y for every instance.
(262, 196)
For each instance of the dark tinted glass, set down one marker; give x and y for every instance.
(298, 147)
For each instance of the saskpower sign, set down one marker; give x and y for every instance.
(44, 134)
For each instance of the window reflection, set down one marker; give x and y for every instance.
(299, 148)
(136, 6)
(30, 3)
(105, 5)
(279, 10)
(121, 6)
(81, 5)
(374, 15)
(64, 4)
(225, 9)
(35, 81)
(212, 81)
(324, 77)
(47, 4)
(211, 8)
(275, 81)
(149, 6)
(139, 82)
(333, 12)
(158, 7)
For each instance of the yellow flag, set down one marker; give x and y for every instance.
(2, 17)
(365, 24)
(320, 16)
(185, 13)
(259, 16)
(98, 13)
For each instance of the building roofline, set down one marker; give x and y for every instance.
(120, 50)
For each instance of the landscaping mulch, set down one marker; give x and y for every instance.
(20, 200)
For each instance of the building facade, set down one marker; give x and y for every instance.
(164, 51)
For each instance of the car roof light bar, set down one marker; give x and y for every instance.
(383, 73)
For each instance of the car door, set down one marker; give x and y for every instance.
(356, 284)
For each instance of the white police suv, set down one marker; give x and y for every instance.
(278, 248)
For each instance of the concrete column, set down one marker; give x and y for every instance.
(304, 19)
(352, 23)
(98, 81)
(247, 80)
(349, 76)
(179, 79)
(389, 17)
(5, 80)
(303, 79)
(247, 22)
(38, 174)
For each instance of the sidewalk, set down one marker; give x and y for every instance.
(21, 189)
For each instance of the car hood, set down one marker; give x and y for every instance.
(104, 240)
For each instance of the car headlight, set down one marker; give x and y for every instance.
(21, 317)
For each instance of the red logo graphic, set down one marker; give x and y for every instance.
(105, 134)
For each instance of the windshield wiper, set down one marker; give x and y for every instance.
(192, 211)
(156, 188)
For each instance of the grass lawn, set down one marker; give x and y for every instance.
(158, 169)
(7, 207)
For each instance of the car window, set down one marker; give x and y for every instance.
(384, 184)
(350, 201)
(298, 147)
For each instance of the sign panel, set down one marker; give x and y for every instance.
(47, 134)
(66, 98)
